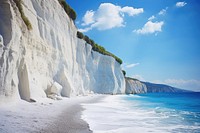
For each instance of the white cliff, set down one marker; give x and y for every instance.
(33, 61)
(134, 86)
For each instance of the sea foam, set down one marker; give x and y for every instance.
(119, 114)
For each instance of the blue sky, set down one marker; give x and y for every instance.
(158, 40)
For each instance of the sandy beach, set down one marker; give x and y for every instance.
(50, 116)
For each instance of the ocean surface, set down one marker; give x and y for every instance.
(153, 112)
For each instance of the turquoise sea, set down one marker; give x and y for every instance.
(153, 112)
(181, 109)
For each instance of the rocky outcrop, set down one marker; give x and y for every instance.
(54, 92)
(31, 61)
(134, 86)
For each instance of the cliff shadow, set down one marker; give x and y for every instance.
(5, 21)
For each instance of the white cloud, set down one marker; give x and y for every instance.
(108, 16)
(150, 27)
(88, 18)
(151, 18)
(85, 29)
(132, 11)
(139, 77)
(132, 65)
(163, 11)
(180, 4)
(191, 84)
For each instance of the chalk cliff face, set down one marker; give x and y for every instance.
(134, 86)
(31, 62)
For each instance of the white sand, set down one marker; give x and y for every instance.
(50, 116)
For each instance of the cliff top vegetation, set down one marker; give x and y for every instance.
(70, 12)
(97, 47)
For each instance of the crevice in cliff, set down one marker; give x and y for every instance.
(5, 21)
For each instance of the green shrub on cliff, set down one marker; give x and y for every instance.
(96, 47)
(124, 72)
(80, 35)
(114, 56)
(87, 39)
(24, 18)
(99, 49)
(92, 42)
(70, 12)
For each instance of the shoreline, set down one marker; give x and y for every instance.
(72, 122)
(69, 121)
(156, 112)
(63, 116)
